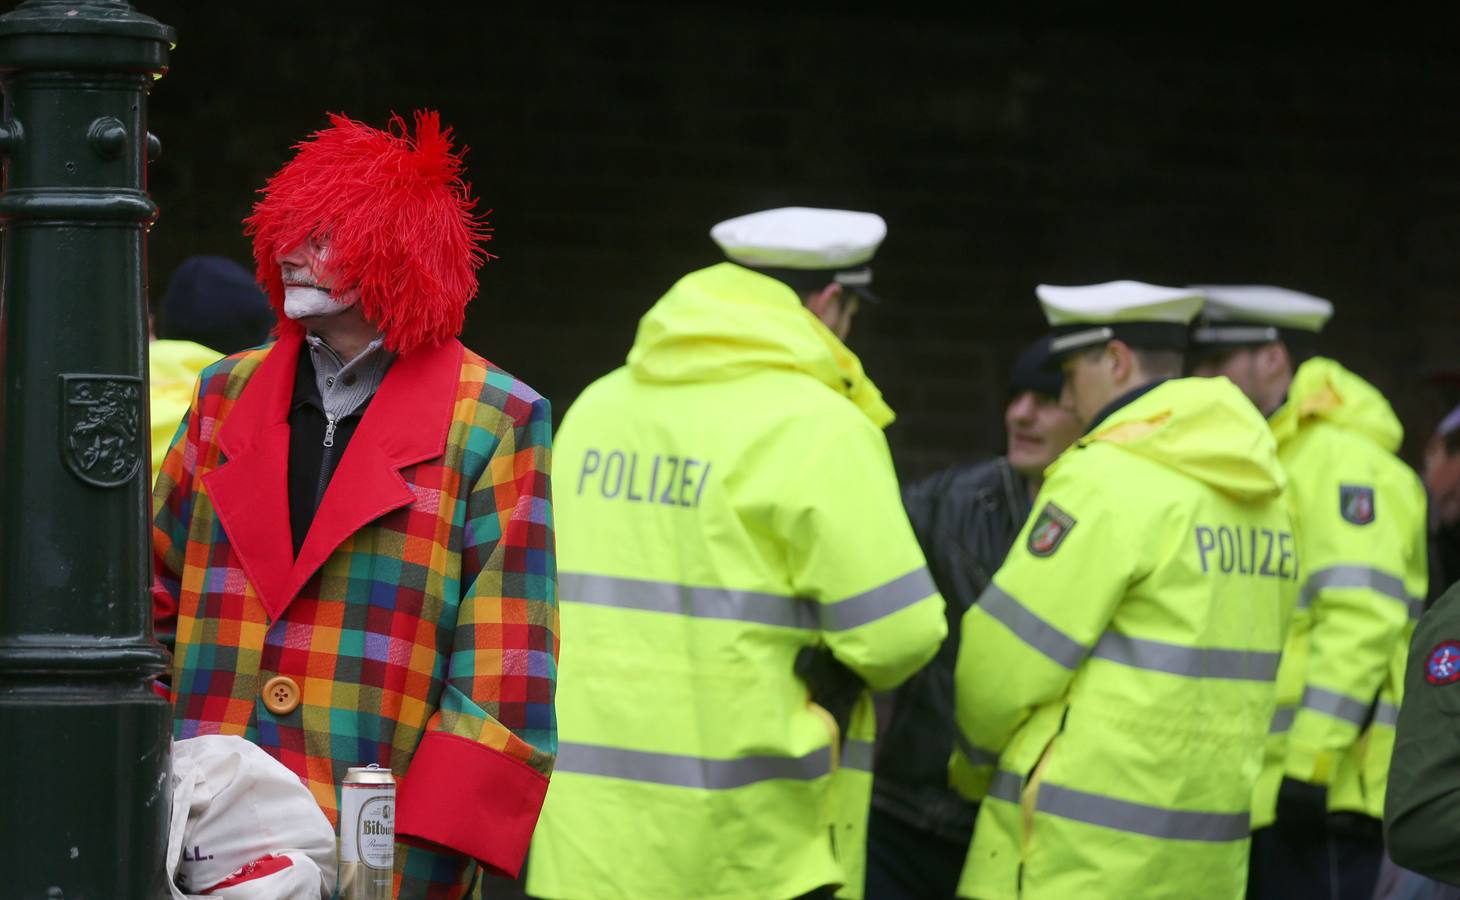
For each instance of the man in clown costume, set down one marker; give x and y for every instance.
(353, 545)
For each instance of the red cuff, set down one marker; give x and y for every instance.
(161, 690)
(469, 798)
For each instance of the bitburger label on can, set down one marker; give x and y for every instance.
(367, 833)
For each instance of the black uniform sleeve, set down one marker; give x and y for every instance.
(1422, 806)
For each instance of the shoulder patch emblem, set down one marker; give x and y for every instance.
(1049, 530)
(1443, 666)
(1356, 503)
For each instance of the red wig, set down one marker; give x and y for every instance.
(399, 221)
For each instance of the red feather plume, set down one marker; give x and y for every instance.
(399, 218)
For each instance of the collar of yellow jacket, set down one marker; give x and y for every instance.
(1323, 389)
(727, 321)
(179, 360)
(1204, 428)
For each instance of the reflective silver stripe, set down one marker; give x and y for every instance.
(1234, 334)
(1360, 577)
(857, 755)
(1006, 786)
(1193, 662)
(1140, 818)
(869, 606)
(696, 602)
(1335, 704)
(689, 771)
(1282, 720)
(746, 606)
(1386, 714)
(1031, 629)
(1088, 337)
(975, 754)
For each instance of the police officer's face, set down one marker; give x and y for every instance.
(1090, 383)
(1262, 373)
(1039, 430)
(1239, 366)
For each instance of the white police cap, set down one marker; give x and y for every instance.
(1246, 314)
(805, 247)
(797, 237)
(1148, 316)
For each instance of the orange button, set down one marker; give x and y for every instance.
(281, 695)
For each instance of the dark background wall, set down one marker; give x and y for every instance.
(1004, 148)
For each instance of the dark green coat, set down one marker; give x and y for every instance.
(1422, 810)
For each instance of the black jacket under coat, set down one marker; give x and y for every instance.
(966, 519)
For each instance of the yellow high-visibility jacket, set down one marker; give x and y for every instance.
(172, 377)
(722, 502)
(1115, 682)
(1361, 535)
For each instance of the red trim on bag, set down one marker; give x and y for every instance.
(253, 871)
(470, 799)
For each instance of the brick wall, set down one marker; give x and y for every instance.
(1003, 150)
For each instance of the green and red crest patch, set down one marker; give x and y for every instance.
(1356, 503)
(1049, 530)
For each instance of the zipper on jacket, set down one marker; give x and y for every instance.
(326, 461)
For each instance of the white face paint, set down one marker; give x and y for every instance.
(301, 302)
(307, 291)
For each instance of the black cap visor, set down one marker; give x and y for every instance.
(1067, 340)
(1214, 337)
(802, 281)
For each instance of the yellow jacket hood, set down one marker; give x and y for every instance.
(1323, 389)
(727, 321)
(1202, 427)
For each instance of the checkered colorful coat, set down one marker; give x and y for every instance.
(419, 620)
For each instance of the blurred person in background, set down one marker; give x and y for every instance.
(1442, 480)
(1319, 801)
(212, 308)
(965, 519)
(1115, 680)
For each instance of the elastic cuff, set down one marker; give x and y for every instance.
(968, 779)
(471, 799)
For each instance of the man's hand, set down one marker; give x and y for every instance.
(833, 686)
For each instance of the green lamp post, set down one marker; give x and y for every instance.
(84, 789)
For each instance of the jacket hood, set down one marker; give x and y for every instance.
(727, 321)
(1323, 389)
(1202, 427)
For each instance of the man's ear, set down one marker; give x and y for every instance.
(1273, 360)
(1122, 360)
(820, 302)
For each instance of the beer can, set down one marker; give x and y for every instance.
(367, 834)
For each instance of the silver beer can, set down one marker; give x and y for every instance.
(367, 834)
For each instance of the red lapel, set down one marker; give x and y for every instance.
(406, 423)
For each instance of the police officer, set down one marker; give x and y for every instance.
(1115, 682)
(966, 519)
(1361, 513)
(728, 516)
